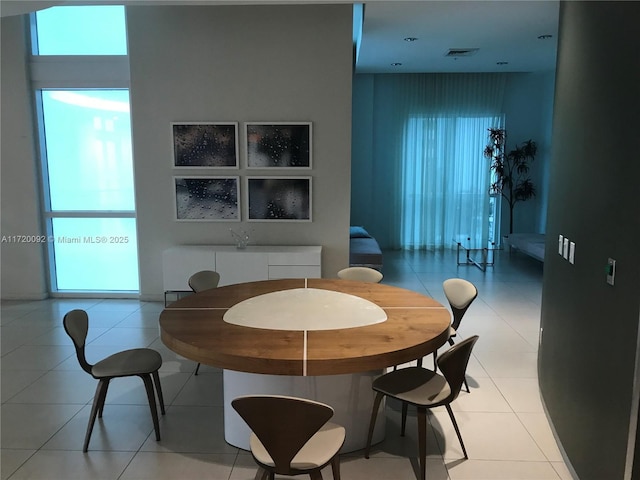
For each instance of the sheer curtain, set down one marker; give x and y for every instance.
(445, 181)
(418, 166)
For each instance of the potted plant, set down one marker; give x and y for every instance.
(510, 169)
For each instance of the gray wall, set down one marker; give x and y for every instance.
(23, 273)
(241, 63)
(588, 350)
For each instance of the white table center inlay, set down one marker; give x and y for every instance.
(305, 309)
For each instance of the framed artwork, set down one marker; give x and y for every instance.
(211, 145)
(212, 199)
(279, 145)
(282, 199)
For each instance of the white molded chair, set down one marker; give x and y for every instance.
(141, 362)
(291, 436)
(424, 389)
(360, 274)
(204, 280)
(460, 293)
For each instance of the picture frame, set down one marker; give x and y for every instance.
(207, 198)
(278, 199)
(279, 145)
(205, 144)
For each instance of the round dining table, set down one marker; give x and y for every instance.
(325, 339)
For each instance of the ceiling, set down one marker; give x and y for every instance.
(501, 30)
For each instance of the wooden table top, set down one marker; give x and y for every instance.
(193, 327)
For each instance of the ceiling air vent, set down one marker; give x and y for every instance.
(461, 52)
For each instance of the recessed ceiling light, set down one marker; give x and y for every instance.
(396, 64)
(502, 63)
(544, 37)
(410, 39)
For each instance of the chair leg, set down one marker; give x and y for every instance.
(100, 394)
(148, 385)
(455, 426)
(315, 475)
(466, 384)
(335, 467)
(372, 422)
(103, 397)
(262, 474)
(422, 441)
(156, 382)
(403, 424)
(435, 360)
(197, 369)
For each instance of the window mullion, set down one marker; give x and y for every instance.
(90, 214)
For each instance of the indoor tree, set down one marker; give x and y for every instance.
(510, 169)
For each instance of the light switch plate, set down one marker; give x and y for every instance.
(560, 244)
(611, 271)
(572, 252)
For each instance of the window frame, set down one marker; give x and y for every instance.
(71, 72)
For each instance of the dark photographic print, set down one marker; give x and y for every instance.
(207, 198)
(205, 145)
(279, 199)
(283, 145)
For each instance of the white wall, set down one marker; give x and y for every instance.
(230, 63)
(240, 63)
(23, 273)
(528, 107)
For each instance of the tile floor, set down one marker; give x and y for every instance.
(46, 398)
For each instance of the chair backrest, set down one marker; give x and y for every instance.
(76, 324)
(204, 280)
(283, 424)
(453, 364)
(360, 274)
(460, 293)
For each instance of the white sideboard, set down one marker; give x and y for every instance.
(235, 265)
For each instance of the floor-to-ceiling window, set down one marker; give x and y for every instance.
(80, 77)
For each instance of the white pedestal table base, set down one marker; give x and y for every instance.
(350, 395)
